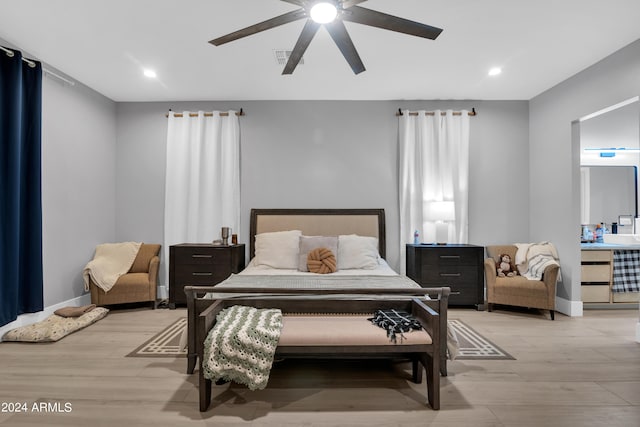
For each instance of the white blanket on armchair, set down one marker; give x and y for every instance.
(111, 261)
(533, 258)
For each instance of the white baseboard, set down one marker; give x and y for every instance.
(28, 319)
(570, 308)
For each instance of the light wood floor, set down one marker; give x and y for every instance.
(568, 372)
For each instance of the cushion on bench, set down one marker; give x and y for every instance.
(341, 330)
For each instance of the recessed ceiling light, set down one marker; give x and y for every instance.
(150, 73)
(323, 12)
(495, 71)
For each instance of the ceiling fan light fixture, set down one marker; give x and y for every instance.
(323, 12)
(332, 14)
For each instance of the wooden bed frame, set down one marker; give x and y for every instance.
(424, 354)
(364, 222)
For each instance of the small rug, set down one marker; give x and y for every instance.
(165, 343)
(473, 346)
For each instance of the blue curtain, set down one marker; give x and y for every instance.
(20, 187)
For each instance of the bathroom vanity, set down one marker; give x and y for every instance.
(597, 281)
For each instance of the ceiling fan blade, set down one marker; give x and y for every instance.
(348, 3)
(310, 29)
(262, 26)
(373, 18)
(339, 34)
(296, 2)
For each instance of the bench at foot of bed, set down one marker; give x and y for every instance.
(325, 333)
(197, 304)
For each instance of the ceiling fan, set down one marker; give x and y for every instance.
(332, 15)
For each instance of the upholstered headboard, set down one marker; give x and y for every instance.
(319, 222)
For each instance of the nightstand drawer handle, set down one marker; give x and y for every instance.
(202, 274)
(450, 274)
(200, 256)
(450, 256)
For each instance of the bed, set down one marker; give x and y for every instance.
(274, 275)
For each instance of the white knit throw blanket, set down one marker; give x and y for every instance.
(533, 258)
(241, 346)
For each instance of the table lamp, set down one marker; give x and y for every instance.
(441, 213)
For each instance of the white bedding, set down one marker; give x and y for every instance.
(383, 269)
(264, 277)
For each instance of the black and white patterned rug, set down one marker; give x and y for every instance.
(473, 346)
(165, 343)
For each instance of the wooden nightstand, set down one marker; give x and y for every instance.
(201, 264)
(457, 266)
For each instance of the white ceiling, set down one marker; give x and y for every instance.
(106, 44)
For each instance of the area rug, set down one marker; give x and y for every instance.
(472, 344)
(165, 343)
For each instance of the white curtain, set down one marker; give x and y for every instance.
(202, 190)
(434, 167)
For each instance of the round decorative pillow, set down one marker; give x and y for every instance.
(322, 261)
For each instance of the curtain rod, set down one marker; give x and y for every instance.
(32, 64)
(223, 114)
(431, 113)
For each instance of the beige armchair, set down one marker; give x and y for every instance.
(138, 285)
(519, 291)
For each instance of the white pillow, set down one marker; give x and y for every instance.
(278, 249)
(357, 252)
(309, 243)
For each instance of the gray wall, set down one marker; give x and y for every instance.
(554, 155)
(78, 183)
(341, 154)
(617, 128)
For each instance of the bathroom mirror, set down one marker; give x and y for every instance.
(609, 160)
(608, 192)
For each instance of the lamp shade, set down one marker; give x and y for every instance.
(440, 211)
